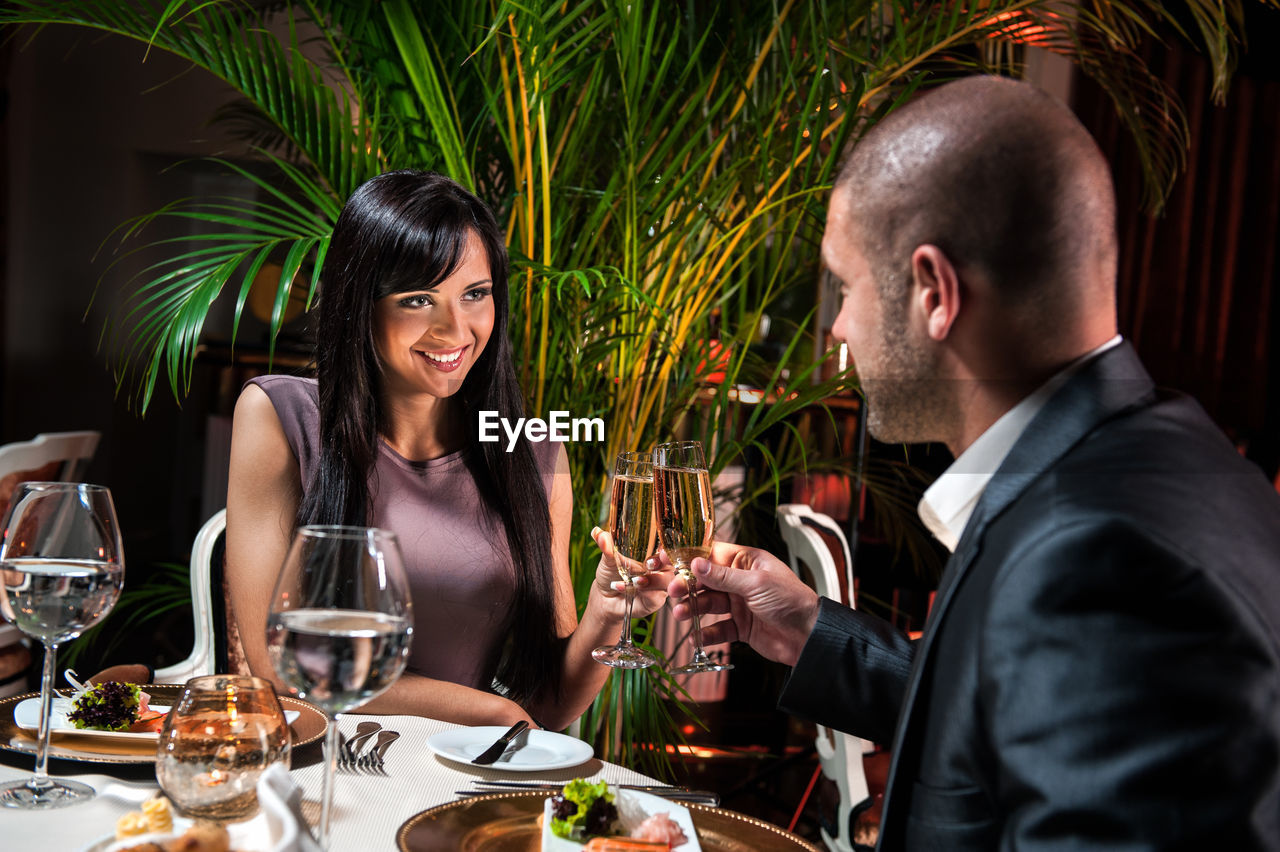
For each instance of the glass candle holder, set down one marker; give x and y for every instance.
(224, 732)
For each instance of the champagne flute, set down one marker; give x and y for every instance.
(339, 626)
(632, 529)
(686, 526)
(62, 563)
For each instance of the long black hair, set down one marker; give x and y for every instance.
(407, 231)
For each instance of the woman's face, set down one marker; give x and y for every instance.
(428, 340)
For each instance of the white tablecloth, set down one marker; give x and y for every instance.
(368, 810)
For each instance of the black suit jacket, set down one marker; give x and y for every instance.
(1101, 668)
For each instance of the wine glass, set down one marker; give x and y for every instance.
(339, 625)
(686, 526)
(632, 528)
(63, 567)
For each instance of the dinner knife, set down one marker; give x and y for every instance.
(493, 752)
(545, 785)
(674, 794)
(663, 790)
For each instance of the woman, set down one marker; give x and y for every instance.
(411, 345)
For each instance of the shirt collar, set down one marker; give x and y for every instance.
(949, 502)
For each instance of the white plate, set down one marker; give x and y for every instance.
(633, 808)
(26, 714)
(247, 836)
(538, 751)
(109, 843)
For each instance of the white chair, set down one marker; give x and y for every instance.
(202, 657)
(49, 457)
(839, 754)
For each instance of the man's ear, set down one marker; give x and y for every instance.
(936, 293)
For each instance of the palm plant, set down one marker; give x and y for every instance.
(660, 168)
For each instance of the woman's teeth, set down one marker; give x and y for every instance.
(444, 359)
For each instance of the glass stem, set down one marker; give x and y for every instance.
(326, 791)
(698, 654)
(40, 781)
(630, 592)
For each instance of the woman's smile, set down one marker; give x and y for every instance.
(446, 360)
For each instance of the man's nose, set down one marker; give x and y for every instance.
(838, 326)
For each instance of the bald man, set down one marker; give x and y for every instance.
(1101, 666)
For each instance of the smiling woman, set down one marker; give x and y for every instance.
(411, 344)
(428, 341)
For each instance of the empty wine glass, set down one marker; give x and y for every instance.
(62, 564)
(632, 529)
(686, 526)
(339, 625)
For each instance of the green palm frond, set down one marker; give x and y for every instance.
(162, 320)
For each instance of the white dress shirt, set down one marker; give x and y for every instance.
(947, 504)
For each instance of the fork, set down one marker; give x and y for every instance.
(349, 755)
(371, 761)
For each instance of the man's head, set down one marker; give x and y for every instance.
(973, 230)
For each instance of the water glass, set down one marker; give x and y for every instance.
(61, 572)
(339, 626)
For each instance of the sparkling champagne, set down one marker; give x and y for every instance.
(631, 522)
(338, 658)
(686, 514)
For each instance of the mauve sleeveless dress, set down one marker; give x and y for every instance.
(460, 573)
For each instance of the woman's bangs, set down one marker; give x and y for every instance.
(428, 253)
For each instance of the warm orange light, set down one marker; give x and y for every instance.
(712, 367)
(1014, 26)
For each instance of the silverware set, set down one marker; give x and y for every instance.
(675, 794)
(353, 760)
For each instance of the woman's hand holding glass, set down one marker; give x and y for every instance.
(626, 546)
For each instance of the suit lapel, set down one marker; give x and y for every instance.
(1106, 386)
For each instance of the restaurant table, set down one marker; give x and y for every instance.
(368, 810)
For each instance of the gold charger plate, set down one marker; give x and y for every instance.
(508, 822)
(307, 728)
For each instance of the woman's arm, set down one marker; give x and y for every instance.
(263, 490)
(263, 493)
(601, 619)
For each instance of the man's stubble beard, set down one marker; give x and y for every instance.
(906, 400)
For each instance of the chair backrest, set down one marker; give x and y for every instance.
(203, 657)
(807, 534)
(49, 457)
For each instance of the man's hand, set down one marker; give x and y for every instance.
(772, 609)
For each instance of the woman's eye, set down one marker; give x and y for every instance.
(415, 301)
(478, 294)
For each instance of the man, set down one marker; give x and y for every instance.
(1101, 667)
